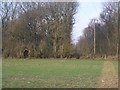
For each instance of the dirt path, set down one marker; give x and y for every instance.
(108, 78)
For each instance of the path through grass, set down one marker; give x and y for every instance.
(109, 75)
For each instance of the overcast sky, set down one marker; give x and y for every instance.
(86, 12)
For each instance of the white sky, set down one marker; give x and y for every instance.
(86, 12)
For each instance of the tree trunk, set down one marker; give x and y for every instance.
(118, 36)
(61, 51)
(54, 45)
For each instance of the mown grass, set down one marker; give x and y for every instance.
(51, 73)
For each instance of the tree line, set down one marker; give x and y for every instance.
(105, 31)
(42, 28)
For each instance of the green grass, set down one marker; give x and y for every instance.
(51, 73)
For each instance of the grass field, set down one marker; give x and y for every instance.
(51, 73)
